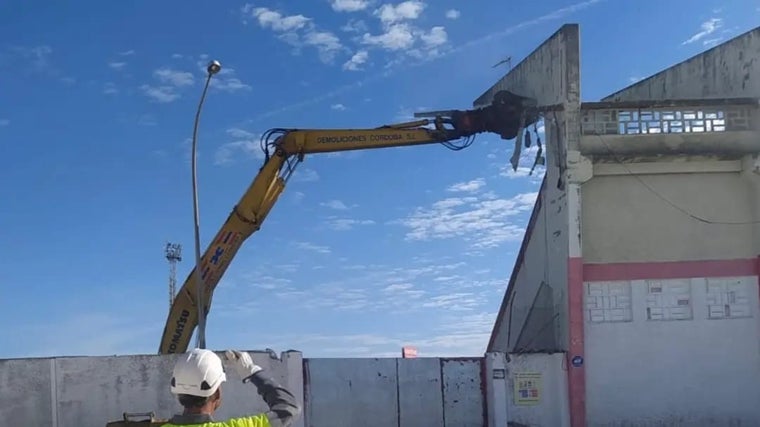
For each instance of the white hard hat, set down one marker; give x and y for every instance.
(198, 373)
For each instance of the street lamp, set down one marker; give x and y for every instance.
(200, 338)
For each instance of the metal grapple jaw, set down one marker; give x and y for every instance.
(507, 115)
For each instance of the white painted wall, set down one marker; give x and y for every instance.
(693, 372)
(552, 410)
(624, 221)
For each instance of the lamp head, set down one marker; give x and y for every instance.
(214, 67)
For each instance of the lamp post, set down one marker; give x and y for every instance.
(200, 337)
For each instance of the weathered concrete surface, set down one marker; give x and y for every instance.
(731, 69)
(693, 372)
(551, 75)
(348, 392)
(394, 392)
(420, 392)
(463, 399)
(552, 410)
(624, 221)
(25, 392)
(90, 391)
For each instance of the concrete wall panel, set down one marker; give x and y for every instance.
(26, 392)
(90, 391)
(691, 372)
(547, 73)
(553, 409)
(420, 392)
(729, 70)
(551, 75)
(352, 392)
(463, 397)
(623, 221)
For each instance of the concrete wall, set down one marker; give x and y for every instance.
(625, 221)
(90, 391)
(550, 74)
(394, 392)
(731, 69)
(696, 371)
(551, 409)
(532, 320)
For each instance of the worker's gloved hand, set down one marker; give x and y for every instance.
(242, 363)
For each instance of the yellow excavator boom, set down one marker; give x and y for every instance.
(285, 148)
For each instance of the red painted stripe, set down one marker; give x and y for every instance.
(576, 376)
(670, 270)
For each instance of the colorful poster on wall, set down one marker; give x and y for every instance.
(527, 388)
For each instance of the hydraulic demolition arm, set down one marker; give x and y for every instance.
(284, 149)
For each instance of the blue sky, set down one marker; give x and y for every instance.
(366, 251)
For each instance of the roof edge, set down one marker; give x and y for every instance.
(611, 96)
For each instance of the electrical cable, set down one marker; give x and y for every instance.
(662, 197)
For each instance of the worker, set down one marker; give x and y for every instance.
(197, 379)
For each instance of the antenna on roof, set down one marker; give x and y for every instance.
(507, 60)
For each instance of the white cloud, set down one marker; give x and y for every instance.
(355, 26)
(356, 61)
(410, 9)
(338, 107)
(466, 46)
(468, 186)
(117, 65)
(162, 94)
(4, 122)
(400, 34)
(37, 55)
(396, 37)
(345, 224)
(297, 31)
(327, 43)
(268, 18)
(349, 5)
(453, 14)
(244, 143)
(174, 77)
(226, 80)
(312, 247)
(436, 37)
(484, 221)
(127, 52)
(305, 175)
(335, 204)
(109, 88)
(708, 27)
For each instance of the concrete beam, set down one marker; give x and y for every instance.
(731, 69)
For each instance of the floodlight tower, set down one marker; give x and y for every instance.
(174, 255)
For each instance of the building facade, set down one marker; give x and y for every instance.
(640, 261)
